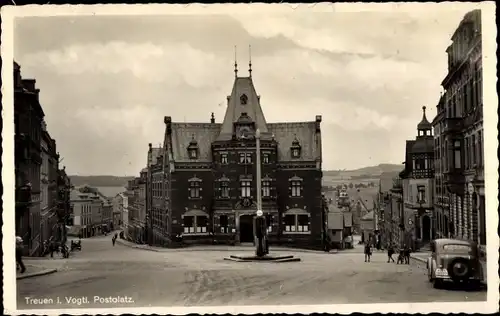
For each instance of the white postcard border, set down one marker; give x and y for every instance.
(9, 13)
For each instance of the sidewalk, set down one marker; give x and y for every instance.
(421, 256)
(33, 270)
(215, 248)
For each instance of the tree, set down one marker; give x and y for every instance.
(351, 185)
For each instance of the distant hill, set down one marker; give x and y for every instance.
(100, 181)
(365, 172)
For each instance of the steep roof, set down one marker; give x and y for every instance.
(243, 99)
(154, 155)
(368, 216)
(244, 108)
(203, 133)
(424, 144)
(304, 132)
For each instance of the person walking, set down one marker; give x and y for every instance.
(390, 252)
(113, 240)
(19, 254)
(401, 255)
(368, 252)
(406, 254)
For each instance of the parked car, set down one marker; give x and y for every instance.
(454, 260)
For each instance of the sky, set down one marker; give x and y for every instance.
(106, 82)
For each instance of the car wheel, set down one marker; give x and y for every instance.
(459, 269)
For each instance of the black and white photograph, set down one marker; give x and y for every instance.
(250, 158)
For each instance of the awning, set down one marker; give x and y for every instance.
(335, 221)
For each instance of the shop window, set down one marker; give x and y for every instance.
(201, 224)
(296, 223)
(302, 223)
(224, 224)
(290, 223)
(195, 224)
(189, 227)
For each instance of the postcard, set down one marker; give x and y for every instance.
(250, 158)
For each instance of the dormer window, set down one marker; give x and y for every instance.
(193, 149)
(296, 148)
(243, 99)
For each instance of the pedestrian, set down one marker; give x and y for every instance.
(52, 248)
(390, 252)
(407, 252)
(113, 240)
(401, 255)
(368, 252)
(19, 254)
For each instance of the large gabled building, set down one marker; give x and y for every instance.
(204, 178)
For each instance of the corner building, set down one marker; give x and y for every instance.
(209, 176)
(459, 138)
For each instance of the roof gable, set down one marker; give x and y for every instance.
(243, 99)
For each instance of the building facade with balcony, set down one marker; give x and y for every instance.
(207, 177)
(460, 198)
(48, 187)
(418, 186)
(28, 118)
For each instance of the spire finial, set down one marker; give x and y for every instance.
(235, 63)
(250, 60)
(423, 109)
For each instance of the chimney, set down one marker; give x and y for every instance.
(29, 84)
(212, 118)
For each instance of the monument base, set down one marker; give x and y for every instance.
(266, 258)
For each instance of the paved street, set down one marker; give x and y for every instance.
(186, 278)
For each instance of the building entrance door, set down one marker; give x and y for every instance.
(246, 228)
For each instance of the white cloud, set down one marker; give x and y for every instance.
(169, 63)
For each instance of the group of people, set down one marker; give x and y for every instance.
(403, 254)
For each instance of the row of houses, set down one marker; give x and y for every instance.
(91, 213)
(41, 188)
(440, 191)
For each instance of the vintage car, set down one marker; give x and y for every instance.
(455, 261)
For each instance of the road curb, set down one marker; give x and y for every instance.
(189, 249)
(126, 244)
(35, 274)
(418, 259)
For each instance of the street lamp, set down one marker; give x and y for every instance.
(261, 248)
